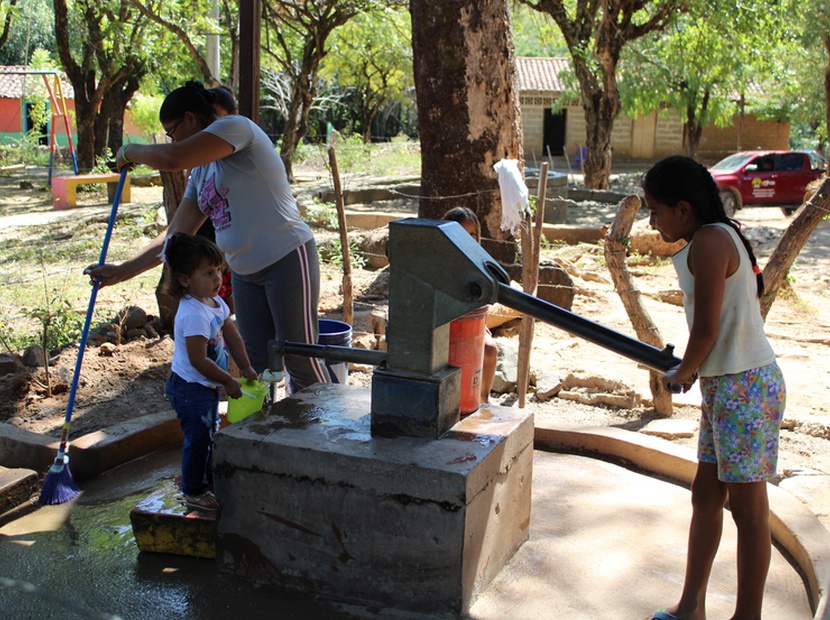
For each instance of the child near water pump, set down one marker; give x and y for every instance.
(742, 387)
(469, 222)
(204, 335)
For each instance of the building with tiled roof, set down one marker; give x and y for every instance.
(20, 90)
(542, 82)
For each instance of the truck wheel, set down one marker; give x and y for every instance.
(730, 202)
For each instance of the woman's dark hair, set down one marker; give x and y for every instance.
(677, 178)
(192, 97)
(183, 254)
(463, 214)
(224, 99)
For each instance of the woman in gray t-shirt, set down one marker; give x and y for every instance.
(238, 180)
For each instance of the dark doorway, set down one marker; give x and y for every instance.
(554, 132)
(42, 131)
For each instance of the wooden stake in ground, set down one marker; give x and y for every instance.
(348, 300)
(616, 248)
(531, 251)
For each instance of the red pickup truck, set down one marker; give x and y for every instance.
(776, 178)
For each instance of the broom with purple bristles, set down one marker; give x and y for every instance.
(59, 486)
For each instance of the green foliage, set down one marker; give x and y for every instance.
(352, 153)
(59, 322)
(323, 214)
(60, 248)
(144, 112)
(371, 57)
(331, 253)
(26, 150)
(102, 163)
(707, 61)
(84, 241)
(389, 158)
(799, 95)
(536, 35)
(12, 341)
(33, 26)
(533, 204)
(400, 156)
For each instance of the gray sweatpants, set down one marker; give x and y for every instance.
(280, 303)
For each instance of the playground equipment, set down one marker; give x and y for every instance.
(60, 112)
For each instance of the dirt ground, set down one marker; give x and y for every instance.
(126, 381)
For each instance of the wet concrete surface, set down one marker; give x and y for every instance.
(606, 543)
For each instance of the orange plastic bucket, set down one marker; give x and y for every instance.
(467, 352)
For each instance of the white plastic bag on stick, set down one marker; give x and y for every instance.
(514, 205)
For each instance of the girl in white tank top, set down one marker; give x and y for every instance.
(742, 387)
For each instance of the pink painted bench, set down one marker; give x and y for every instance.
(64, 188)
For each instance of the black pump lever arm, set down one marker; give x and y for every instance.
(637, 350)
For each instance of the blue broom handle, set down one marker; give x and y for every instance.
(70, 403)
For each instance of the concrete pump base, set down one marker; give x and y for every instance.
(312, 502)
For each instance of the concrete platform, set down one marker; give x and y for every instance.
(94, 453)
(84, 551)
(17, 486)
(605, 543)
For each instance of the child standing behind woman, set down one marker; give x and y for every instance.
(741, 385)
(204, 335)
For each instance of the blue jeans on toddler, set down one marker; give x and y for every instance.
(197, 408)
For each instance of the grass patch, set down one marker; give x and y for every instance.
(400, 157)
(44, 266)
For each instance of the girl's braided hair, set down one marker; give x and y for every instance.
(192, 97)
(183, 254)
(677, 178)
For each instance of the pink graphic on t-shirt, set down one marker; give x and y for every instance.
(214, 204)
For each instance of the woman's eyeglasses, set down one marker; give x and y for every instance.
(169, 133)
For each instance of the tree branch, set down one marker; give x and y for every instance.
(180, 34)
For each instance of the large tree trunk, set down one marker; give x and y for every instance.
(468, 112)
(601, 105)
(94, 74)
(291, 137)
(599, 125)
(595, 33)
(302, 96)
(693, 129)
(85, 124)
(117, 98)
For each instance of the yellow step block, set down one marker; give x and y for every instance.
(163, 524)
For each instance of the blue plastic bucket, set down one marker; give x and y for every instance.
(337, 333)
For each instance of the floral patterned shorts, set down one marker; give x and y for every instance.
(740, 421)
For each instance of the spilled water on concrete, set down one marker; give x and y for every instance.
(605, 542)
(80, 560)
